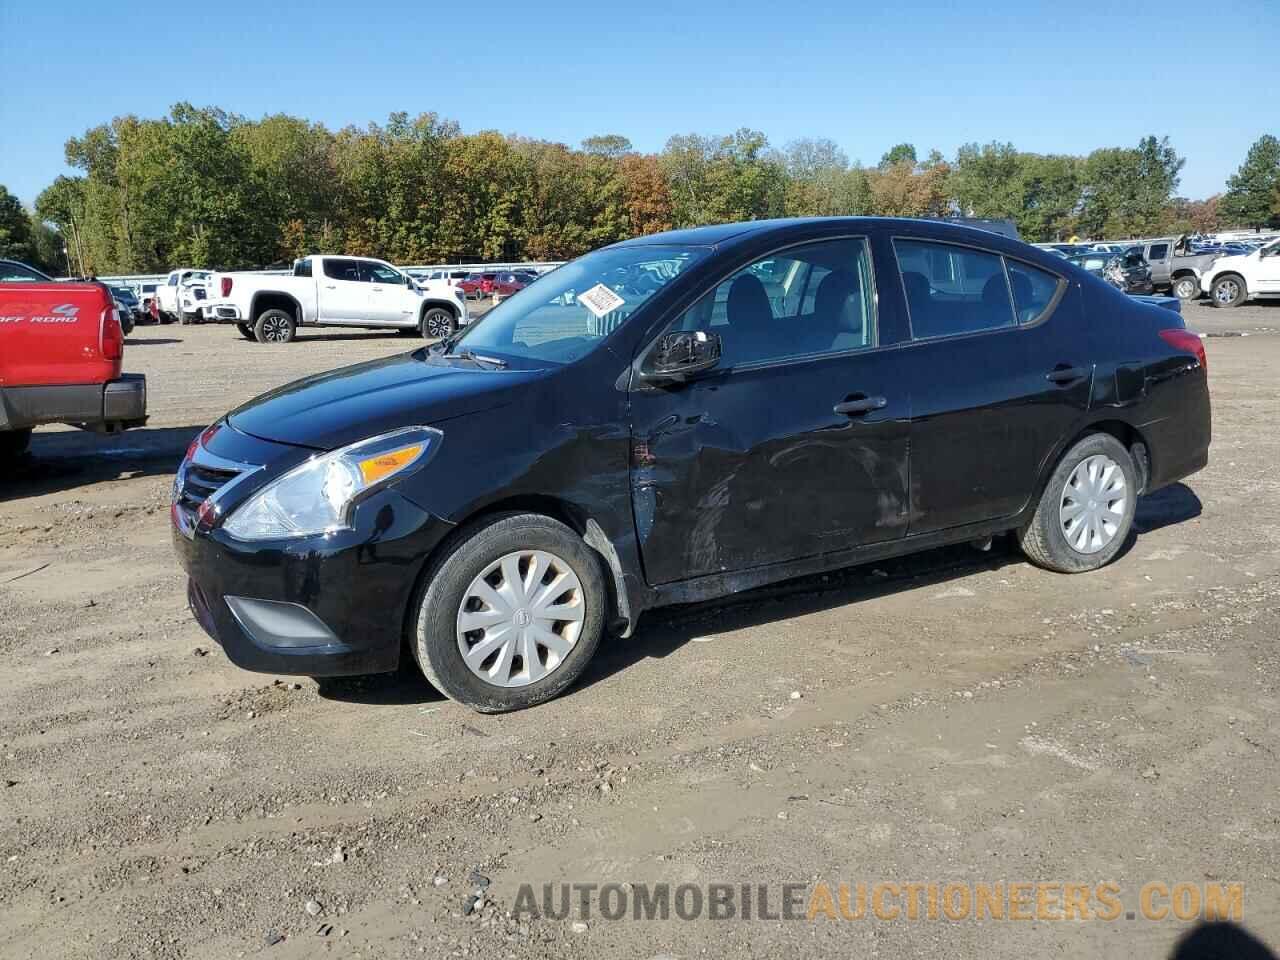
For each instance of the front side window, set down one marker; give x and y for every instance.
(336, 269)
(953, 290)
(570, 311)
(379, 273)
(813, 299)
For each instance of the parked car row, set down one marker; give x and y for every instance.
(497, 284)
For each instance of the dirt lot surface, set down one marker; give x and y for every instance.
(955, 716)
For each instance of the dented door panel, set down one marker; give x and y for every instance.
(753, 466)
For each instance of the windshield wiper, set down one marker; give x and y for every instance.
(476, 358)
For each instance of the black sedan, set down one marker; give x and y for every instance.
(676, 418)
(1127, 271)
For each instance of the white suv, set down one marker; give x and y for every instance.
(1230, 281)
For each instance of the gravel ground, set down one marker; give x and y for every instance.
(954, 716)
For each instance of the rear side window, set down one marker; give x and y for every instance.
(1033, 289)
(1158, 251)
(342, 270)
(953, 290)
(11, 272)
(302, 268)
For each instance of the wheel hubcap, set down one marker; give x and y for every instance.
(1185, 289)
(1227, 291)
(1094, 501)
(438, 326)
(520, 618)
(275, 329)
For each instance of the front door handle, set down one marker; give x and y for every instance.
(1066, 374)
(858, 405)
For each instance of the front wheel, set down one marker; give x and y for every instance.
(275, 326)
(511, 614)
(438, 323)
(1086, 511)
(1186, 288)
(1229, 291)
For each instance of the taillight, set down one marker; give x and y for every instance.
(110, 335)
(1187, 342)
(226, 287)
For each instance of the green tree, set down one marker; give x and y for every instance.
(16, 241)
(901, 153)
(610, 145)
(1253, 192)
(1127, 192)
(63, 203)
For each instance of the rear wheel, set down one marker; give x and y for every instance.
(438, 323)
(511, 613)
(1229, 291)
(13, 443)
(246, 331)
(275, 326)
(1086, 511)
(1186, 288)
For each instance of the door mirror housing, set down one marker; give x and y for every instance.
(678, 356)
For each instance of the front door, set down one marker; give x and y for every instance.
(391, 299)
(997, 370)
(796, 445)
(343, 296)
(1268, 272)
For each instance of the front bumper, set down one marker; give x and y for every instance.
(113, 405)
(337, 604)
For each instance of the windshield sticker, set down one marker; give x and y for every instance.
(600, 300)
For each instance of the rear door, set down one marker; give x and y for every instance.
(343, 295)
(997, 369)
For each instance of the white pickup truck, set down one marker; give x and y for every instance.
(333, 291)
(182, 294)
(1230, 281)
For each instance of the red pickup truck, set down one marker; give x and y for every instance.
(61, 352)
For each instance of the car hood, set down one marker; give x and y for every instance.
(330, 410)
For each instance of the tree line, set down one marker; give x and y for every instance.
(203, 187)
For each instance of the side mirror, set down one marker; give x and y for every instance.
(678, 356)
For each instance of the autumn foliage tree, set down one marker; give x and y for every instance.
(202, 187)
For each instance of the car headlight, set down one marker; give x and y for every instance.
(317, 496)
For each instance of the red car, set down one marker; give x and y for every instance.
(478, 285)
(61, 353)
(505, 284)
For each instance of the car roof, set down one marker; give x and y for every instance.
(736, 232)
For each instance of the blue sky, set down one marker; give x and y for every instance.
(1050, 77)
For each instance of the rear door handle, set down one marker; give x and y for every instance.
(1066, 374)
(852, 408)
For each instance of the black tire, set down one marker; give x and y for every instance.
(275, 326)
(446, 582)
(1229, 290)
(13, 444)
(437, 323)
(1187, 288)
(246, 331)
(1044, 539)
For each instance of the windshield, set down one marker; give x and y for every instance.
(567, 312)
